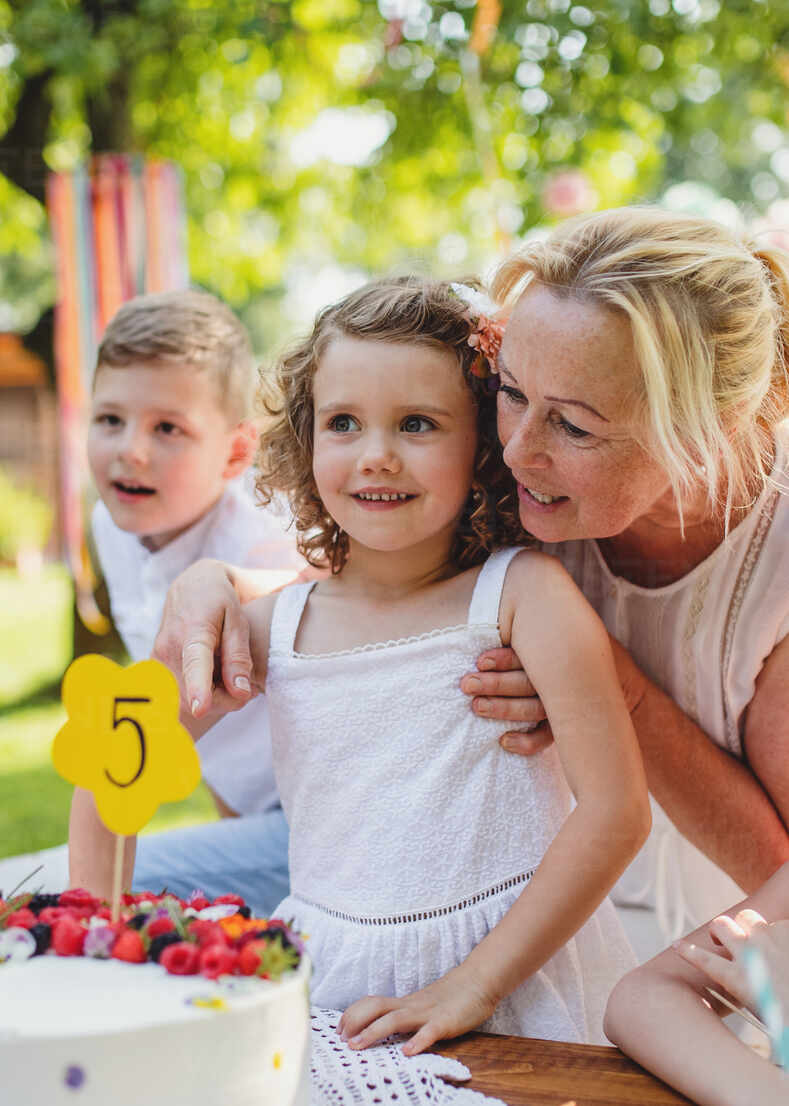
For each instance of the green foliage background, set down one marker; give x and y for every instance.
(259, 102)
(636, 94)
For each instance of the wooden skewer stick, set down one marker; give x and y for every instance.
(117, 876)
(746, 1014)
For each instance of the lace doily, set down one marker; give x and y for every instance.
(382, 1075)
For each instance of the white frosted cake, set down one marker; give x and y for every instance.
(103, 1033)
(81, 1030)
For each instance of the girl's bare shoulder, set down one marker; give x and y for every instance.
(531, 571)
(538, 583)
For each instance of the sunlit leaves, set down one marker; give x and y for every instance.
(357, 133)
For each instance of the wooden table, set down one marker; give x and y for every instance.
(525, 1072)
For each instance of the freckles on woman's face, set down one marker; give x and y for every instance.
(565, 414)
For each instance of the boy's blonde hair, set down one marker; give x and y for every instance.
(709, 314)
(185, 328)
(394, 309)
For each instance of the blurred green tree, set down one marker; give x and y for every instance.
(321, 136)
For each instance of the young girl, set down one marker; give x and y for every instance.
(461, 886)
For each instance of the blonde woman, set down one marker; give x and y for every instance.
(642, 409)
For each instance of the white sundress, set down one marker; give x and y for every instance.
(411, 831)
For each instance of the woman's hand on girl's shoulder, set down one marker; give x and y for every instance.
(501, 689)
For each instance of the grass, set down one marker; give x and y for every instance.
(35, 633)
(35, 649)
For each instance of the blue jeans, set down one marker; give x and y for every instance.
(248, 856)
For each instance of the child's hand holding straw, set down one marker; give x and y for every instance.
(752, 967)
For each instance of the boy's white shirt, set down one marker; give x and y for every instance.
(236, 753)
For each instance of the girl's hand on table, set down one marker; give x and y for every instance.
(726, 967)
(501, 689)
(450, 1006)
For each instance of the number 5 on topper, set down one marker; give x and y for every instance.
(123, 740)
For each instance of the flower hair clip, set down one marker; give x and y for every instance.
(488, 329)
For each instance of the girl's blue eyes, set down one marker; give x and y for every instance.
(416, 424)
(343, 424)
(411, 424)
(518, 399)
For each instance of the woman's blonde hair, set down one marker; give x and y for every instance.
(395, 309)
(709, 314)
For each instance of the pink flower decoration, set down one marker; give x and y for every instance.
(488, 330)
(487, 339)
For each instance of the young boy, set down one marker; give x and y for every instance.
(169, 441)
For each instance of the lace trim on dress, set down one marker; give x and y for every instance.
(371, 647)
(419, 915)
(732, 736)
(691, 626)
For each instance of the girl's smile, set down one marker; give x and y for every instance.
(379, 499)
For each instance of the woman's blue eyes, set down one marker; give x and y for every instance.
(518, 399)
(411, 424)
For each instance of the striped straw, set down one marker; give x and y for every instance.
(767, 1003)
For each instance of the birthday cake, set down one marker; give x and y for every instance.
(176, 1003)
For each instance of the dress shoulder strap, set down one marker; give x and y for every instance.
(286, 616)
(485, 600)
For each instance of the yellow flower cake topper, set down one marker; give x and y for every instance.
(123, 740)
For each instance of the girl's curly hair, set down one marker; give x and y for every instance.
(393, 309)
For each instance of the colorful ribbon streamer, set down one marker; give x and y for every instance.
(119, 229)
